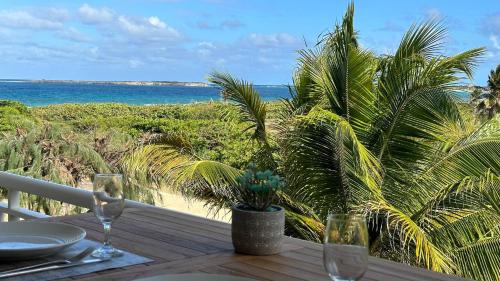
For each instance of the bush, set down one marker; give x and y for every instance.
(10, 112)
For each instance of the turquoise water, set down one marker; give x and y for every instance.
(40, 94)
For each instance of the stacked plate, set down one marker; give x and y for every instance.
(30, 240)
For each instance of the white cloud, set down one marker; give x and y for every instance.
(135, 63)
(221, 62)
(265, 60)
(94, 50)
(126, 28)
(494, 40)
(433, 13)
(252, 53)
(35, 52)
(91, 15)
(491, 24)
(272, 40)
(147, 29)
(205, 49)
(72, 34)
(155, 21)
(207, 45)
(450, 21)
(225, 24)
(56, 14)
(391, 27)
(47, 18)
(232, 24)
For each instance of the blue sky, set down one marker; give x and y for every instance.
(184, 40)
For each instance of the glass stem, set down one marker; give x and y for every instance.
(107, 234)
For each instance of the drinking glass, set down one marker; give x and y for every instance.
(345, 251)
(108, 206)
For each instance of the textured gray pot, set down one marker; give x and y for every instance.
(257, 233)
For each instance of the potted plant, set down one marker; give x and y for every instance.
(257, 225)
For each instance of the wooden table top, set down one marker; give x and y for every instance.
(181, 243)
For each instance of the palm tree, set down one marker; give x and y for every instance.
(382, 136)
(490, 105)
(494, 80)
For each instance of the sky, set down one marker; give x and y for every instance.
(185, 40)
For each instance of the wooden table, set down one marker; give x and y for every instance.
(181, 243)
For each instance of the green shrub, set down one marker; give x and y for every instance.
(10, 112)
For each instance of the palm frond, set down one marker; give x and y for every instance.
(251, 106)
(416, 98)
(421, 40)
(469, 160)
(479, 261)
(327, 167)
(196, 176)
(465, 229)
(464, 62)
(412, 237)
(304, 227)
(303, 93)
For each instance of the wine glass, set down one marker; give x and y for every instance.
(108, 205)
(345, 251)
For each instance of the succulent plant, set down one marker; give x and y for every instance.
(256, 190)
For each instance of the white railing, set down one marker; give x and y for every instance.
(15, 184)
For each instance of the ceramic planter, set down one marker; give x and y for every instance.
(257, 233)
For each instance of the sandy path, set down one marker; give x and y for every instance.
(177, 202)
(194, 207)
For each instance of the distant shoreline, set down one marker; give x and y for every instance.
(128, 83)
(470, 88)
(466, 88)
(46, 92)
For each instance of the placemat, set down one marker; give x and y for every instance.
(125, 260)
(195, 277)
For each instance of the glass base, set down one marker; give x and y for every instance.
(107, 252)
(342, 279)
(338, 278)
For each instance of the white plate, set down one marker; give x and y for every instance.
(28, 240)
(195, 277)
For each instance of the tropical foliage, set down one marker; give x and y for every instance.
(50, 152)
(68, 143)
(490, 105)
(494, 80)
(377, 135)
(10, 111)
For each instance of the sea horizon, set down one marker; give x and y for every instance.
(35, 93)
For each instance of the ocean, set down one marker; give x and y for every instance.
(40, 94)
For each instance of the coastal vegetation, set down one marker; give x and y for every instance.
(383, 136)
(494, 80)
(488, 105)
(68, 143)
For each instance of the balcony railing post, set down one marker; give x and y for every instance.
(14, 197)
